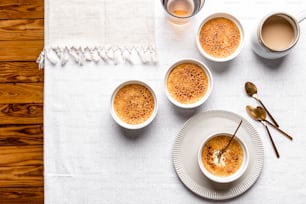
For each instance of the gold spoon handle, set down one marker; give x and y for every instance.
(278, 129)
(271, 139)
(228, 144)
(269, 114)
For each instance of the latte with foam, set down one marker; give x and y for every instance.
(278, 33)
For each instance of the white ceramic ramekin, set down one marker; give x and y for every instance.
(133, 126)
(237, 51)
(226, 179)
(209, 88)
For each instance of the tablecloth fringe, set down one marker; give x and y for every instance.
(115, 54)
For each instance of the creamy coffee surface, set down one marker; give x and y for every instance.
(220, 37)
(277, 33)
(187, 83)
(134, 103)
(230, 161)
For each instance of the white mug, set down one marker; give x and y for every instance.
(276, 35)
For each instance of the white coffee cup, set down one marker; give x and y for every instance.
(276, 35)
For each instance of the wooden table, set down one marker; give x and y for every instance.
(21, 101)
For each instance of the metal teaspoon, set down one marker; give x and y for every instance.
(228, 144)
(251, 90)
(259, 114)
(253, 112)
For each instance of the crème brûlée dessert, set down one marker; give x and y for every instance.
(187, 83)
(229, 162)
(219, 37)
(134, 103)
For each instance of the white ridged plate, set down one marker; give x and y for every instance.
(188, 142)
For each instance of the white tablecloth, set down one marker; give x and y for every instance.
(89, 159)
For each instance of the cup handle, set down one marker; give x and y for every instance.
(301, 16)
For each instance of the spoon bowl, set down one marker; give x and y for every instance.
(260, 114)
(254, 113)
(250, 89)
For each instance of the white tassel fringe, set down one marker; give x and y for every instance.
(80, 55)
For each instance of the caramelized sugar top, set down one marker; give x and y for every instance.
(134, 103)
(187, 83)
(230, 161)
(220, 37)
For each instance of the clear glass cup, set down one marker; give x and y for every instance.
(180, 11)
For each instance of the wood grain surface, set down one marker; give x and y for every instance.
(20, 72)
(21, 102)
(23, 29)
(21, 9)
(21, 93)
(26, 50)
(21, 135)
(27, 195)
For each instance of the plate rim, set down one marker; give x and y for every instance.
(194, 187)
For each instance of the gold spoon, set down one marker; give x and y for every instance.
(251, 90)
(259, 114)
(255, 114)
(228, 144)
